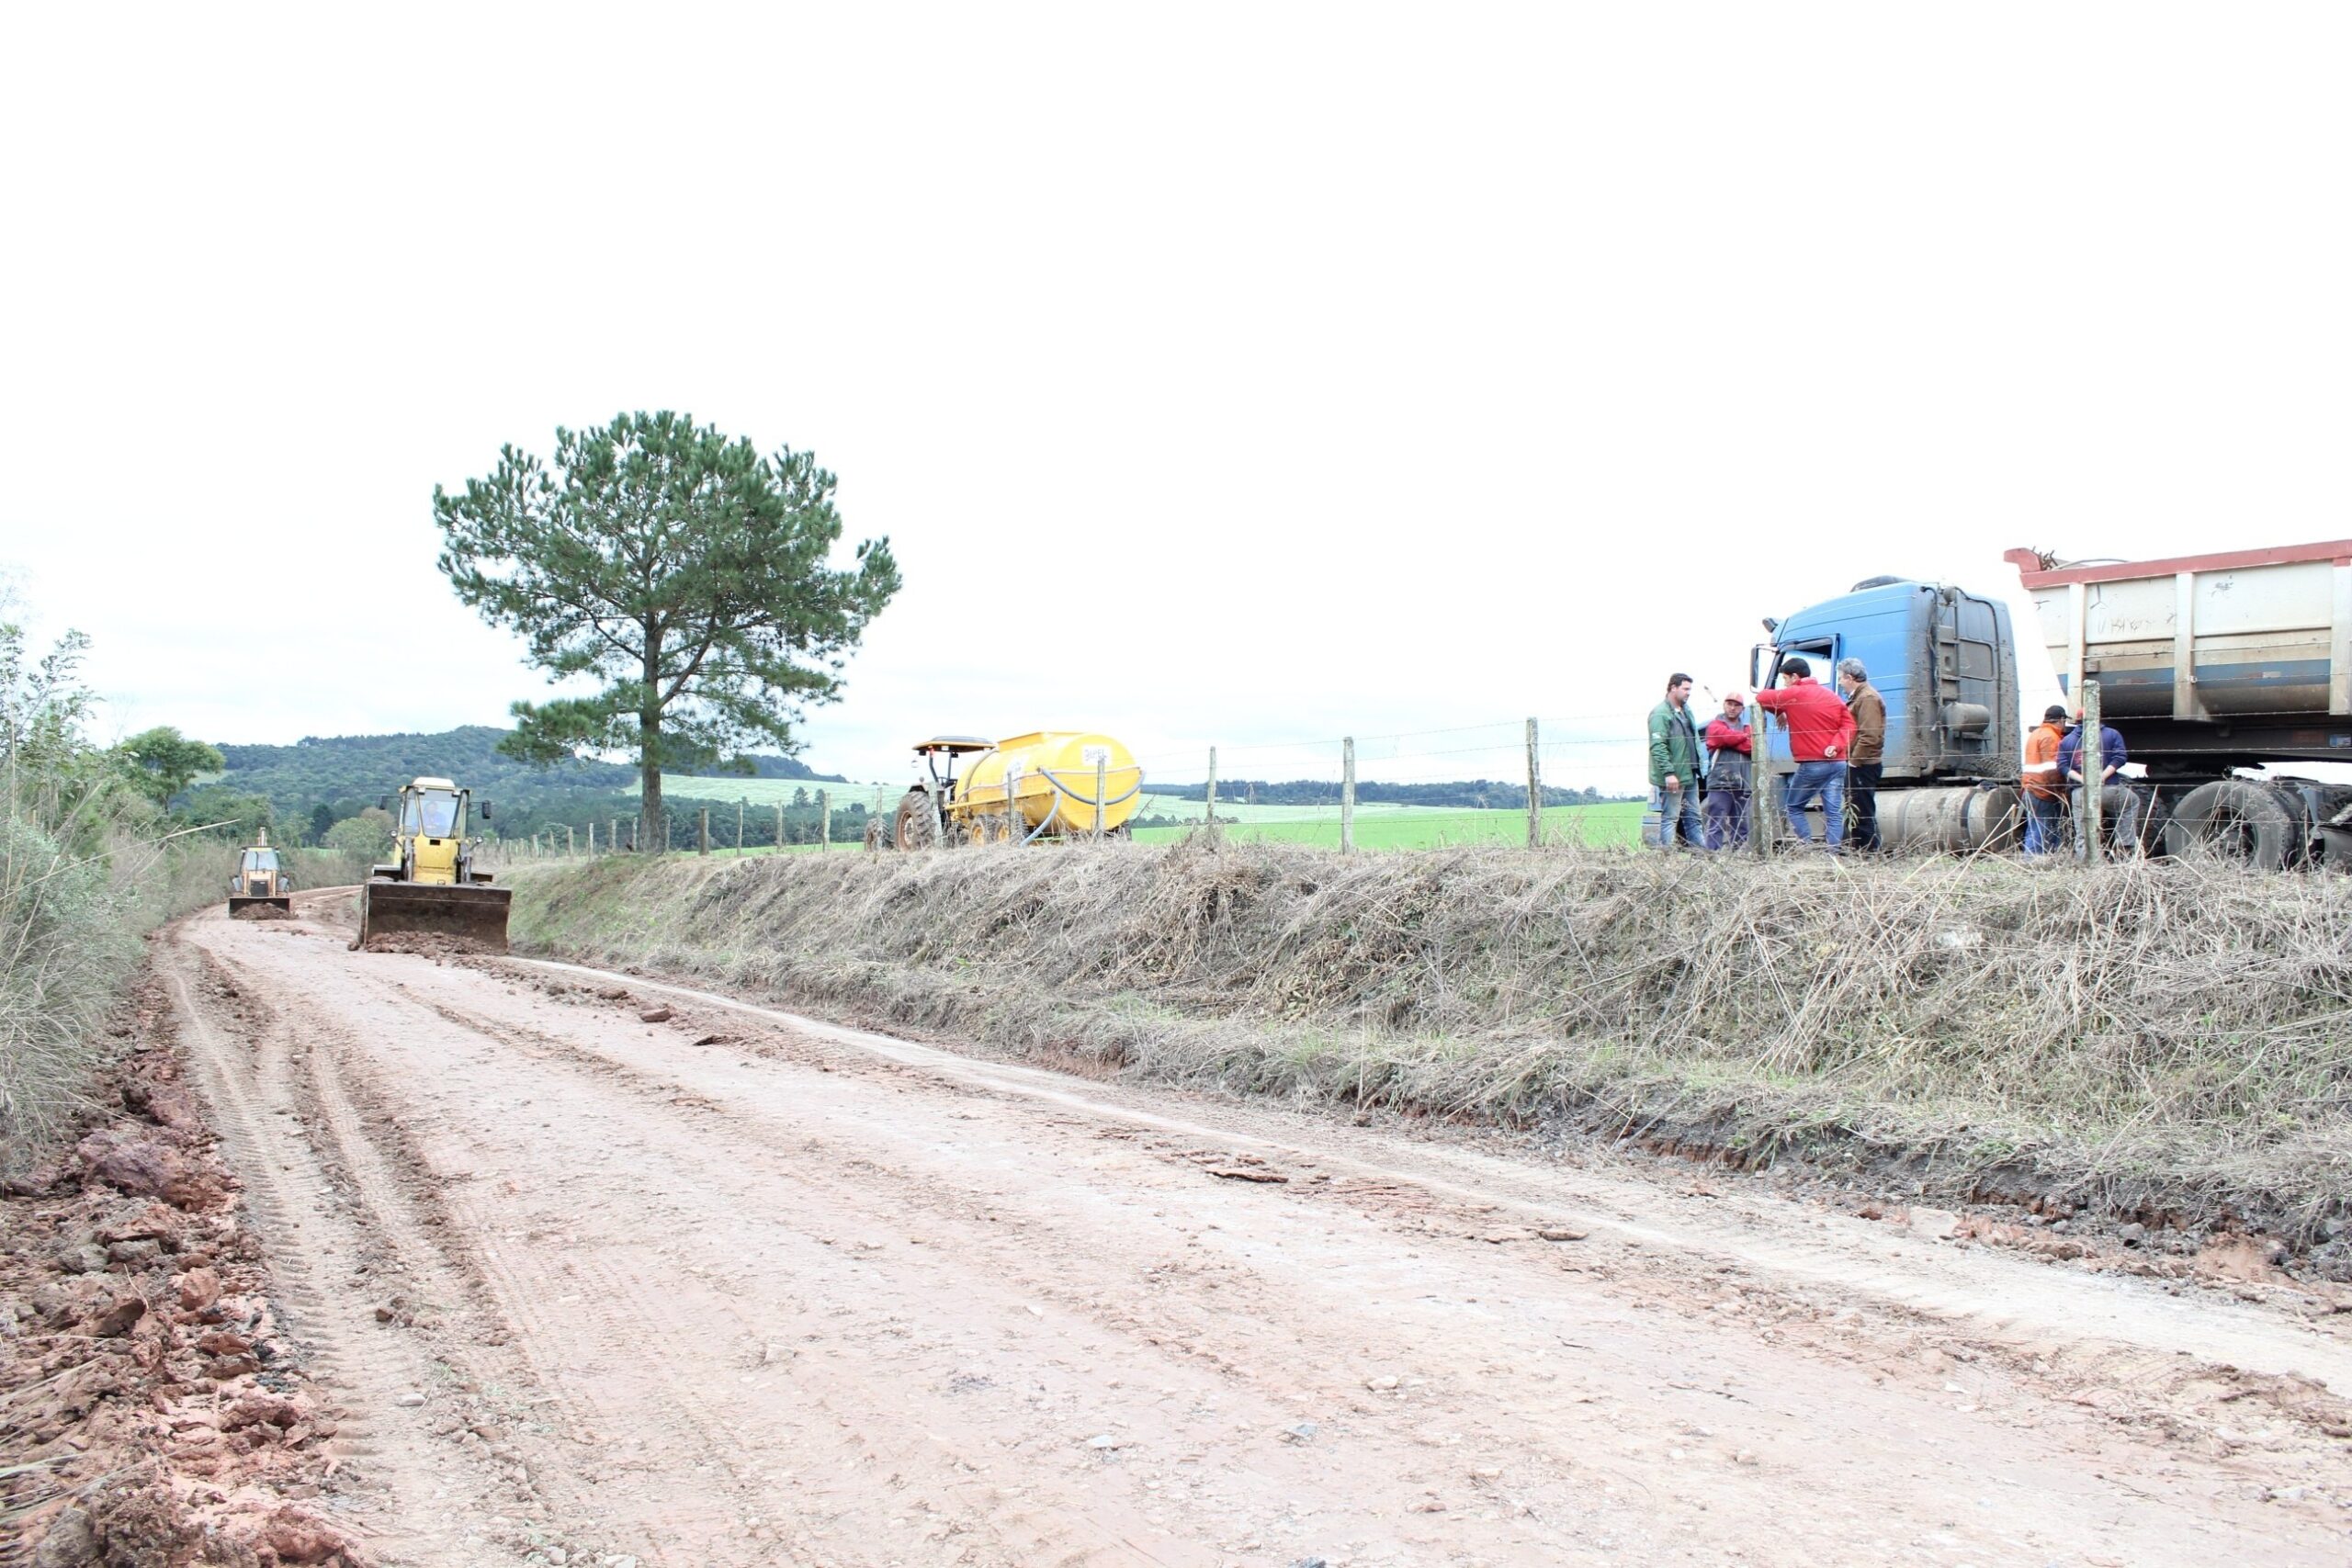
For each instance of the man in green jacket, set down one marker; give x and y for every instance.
(1674, 766)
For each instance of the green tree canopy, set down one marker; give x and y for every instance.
(163, 761)
(366, 838)
(682, 569)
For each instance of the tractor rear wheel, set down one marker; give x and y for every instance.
(917, 826)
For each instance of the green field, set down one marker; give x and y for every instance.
(1384, 828)
(1419, 827)
(766, 794)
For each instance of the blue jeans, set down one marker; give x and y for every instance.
(1678, 810)
(2045, 823)
(1825, 781)
(1727, 818)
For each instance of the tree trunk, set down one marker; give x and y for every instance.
(652, 828)
(649, 774)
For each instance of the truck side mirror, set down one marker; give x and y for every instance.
(485, 811)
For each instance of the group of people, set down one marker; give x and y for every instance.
(2053, 780)
(1702, 779)
(1836, 739)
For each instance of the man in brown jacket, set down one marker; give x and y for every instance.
(1868, 754)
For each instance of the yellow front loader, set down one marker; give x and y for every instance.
(260, 886)
(430, 886)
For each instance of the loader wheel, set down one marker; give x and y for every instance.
(916, 828)
(2235, 819)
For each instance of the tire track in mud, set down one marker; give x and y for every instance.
(651, 1315)
(282, 1180)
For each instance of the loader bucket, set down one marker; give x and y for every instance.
(471, 917)
(260, 906)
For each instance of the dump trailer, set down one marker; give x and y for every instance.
(260, 886)
(1945, 661)
(1056, 783)
(2210, 664)
(430, 887)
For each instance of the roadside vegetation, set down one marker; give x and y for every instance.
(91, 859)
(2155, 1040)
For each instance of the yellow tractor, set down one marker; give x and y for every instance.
(1059, 783)
(260, 884)
(430, 887)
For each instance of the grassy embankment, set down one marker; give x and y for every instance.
(2146, 1038)
(73, 906)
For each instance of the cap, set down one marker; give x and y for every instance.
(1733, 699)
(2053, 714)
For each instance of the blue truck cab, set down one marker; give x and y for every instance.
(1942, 658)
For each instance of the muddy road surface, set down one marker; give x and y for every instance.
(725, 1286)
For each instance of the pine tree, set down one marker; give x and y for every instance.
(679, 567)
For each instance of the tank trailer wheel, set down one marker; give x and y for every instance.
(876, 839)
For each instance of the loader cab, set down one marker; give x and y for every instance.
(259, 862)
(939, 754)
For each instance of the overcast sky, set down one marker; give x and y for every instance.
(1230, 373)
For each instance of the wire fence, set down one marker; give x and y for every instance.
(1456, 784)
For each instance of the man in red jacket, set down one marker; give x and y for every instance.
(1821, 729)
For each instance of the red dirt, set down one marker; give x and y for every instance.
(160, 1412)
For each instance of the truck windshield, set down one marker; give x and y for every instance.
(434, 814)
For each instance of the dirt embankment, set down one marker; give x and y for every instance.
(156, 1412)
(2153, 1049)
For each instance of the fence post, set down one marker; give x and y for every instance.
(1209, 797)
(591, 838)
(2090, 755)
(1761, 818)
(824, 820)
(1535, 789)
(571, 842)
(1347, 795)
(701, 830)
(738, 826)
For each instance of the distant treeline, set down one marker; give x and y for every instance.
(320, 781)
(1472, 795)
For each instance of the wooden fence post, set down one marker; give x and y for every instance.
(2090, 755)
(1535, 789)
(702, 831)
(591, 838)
(571, 842)
(779, 830)
(1761, 818)
(1347, 795)
(1210, 797)
(739, 825)
(824, 820)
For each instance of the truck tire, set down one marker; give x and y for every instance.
(877, 837)
(2237, 820)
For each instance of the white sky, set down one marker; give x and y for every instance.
(1236, 374)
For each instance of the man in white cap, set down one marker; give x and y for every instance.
(1729, 765)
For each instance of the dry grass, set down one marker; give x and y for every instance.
(2148, 1037)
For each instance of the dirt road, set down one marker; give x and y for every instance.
(734, 1288)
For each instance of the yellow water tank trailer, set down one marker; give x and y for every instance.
(1050, 778)
(1053, 774)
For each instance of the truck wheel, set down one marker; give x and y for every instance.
(876, 839)
(2235, 819)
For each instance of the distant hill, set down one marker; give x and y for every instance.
(347, 773)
